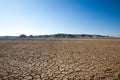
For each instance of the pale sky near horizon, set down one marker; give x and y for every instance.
(38, 17)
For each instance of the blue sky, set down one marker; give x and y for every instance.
(38, 17)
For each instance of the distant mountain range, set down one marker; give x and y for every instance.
(8, 37)
(81, 36)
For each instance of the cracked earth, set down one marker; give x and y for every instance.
(39, 59)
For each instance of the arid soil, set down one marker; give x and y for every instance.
(39, 59)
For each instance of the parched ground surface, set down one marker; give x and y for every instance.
(38, 59)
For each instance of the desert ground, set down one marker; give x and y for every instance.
(59, 59)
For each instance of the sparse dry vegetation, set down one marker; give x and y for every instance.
(74, 59)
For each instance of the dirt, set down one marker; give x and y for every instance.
(59, 59)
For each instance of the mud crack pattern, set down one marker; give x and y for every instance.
(39, 59)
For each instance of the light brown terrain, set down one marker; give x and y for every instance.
(39, 59)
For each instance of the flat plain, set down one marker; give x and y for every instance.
(59, 59)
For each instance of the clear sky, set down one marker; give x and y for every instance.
(38, 17)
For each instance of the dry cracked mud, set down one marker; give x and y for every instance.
(54, 59)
